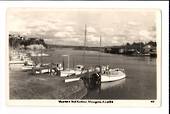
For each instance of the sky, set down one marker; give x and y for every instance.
(67, 26)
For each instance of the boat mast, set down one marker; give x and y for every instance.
(73, 62)
(63, 63)
(140, 48)
(85, 33)
(68, 62)
(41, 54)
(99, 52)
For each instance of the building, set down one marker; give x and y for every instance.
(149, 48)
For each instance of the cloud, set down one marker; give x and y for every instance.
(61, 34)
(91, 29)
(107, 31)
(93, 38)
(115, 42)
(147, 35)
(67, 26)
(64, 41)
(144, 33)
(133, 23)
(69, 29)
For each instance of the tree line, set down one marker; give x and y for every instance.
(135, 47)
(16, 40)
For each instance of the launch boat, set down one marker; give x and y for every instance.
(113, 75)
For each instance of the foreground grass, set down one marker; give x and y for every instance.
(23, 85)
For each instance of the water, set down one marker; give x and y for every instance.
(141, 73)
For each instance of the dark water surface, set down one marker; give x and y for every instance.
(141, 73)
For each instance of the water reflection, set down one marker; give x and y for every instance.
(114, 84)
(105, 90)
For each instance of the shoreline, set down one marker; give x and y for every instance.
(25, 86)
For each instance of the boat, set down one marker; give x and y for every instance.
(16, 62)
(153, 54)
(76, 74)
(73, 74)
(110, 75)
(34, 54)
(41, 70)
(42, 54)
(113, 75)
(79, 69)
(28, 64)
(27, 67)
(46, 68)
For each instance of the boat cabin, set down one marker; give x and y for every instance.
(79, 67)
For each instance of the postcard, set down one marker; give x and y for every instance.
(84, 56)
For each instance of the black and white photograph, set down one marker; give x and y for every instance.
(95, 55)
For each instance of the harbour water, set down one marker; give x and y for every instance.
(141, 73)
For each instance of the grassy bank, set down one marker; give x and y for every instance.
(26, 86)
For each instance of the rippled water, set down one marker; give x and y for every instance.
(141, 73)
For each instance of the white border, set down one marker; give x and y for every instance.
(69, 4)
(117, 102)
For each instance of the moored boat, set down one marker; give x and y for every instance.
(109, 75)
(47, 68)
(113, 75)
(79, 69)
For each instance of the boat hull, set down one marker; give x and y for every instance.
(66, 73)
(72, 79)
(113, 77)
(25, 68)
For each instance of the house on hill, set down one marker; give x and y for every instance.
(150, 49)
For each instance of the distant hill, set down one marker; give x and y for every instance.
(76, 47)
